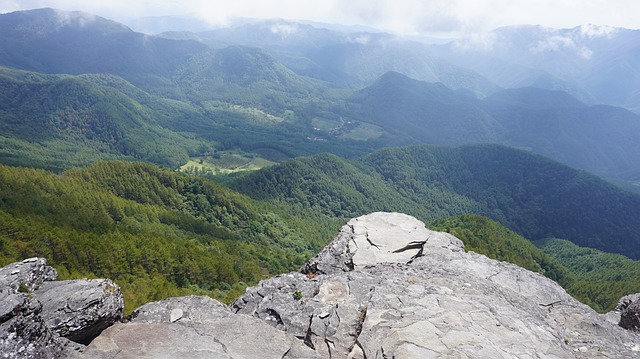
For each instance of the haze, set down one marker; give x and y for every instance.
(409, 17)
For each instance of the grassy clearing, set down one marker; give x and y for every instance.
(225, 163)
(363, 132)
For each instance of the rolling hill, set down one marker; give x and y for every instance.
(534, 196)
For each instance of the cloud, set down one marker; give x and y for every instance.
(594, 31)
(558, 43)
(456, 17)
(553, 43)
(284, 30)
(476, 42)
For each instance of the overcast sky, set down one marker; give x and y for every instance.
(431, 17)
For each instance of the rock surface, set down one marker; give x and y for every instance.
(413, 293)
(80, 309)
(629, 308)
(34, 311)
(194, 327)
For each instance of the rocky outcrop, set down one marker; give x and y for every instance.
(386, 287)
(194, 327)
(80, 309)
(37, 315)
(629, 308)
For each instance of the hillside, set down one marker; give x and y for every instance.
(155, 232)
(599, 139)
(159, 233)
(596, 274)
(534, 196)
(60, 121)
(425, 112)
(248, 88)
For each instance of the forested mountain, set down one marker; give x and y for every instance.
(156, 232)
(58, 121)
(532, 195)
(160, 233)
(425, 112)
(599, 139)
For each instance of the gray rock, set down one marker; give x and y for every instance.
(379, 238)
(625, 301)
(23, 332)
(34, 310)
(194, 327)
(26, 276)
(630, 316)
(433, 301)
(80, 309)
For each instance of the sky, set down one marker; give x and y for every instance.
(408, 17)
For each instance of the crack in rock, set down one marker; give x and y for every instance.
(370, 242)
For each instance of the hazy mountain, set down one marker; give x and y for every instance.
(343, 58)
(599, 139)
(425, 112)
(594, 63)
(53, 41)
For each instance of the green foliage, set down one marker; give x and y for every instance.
(488, 237)
(155, 232)
(529, 194)
(80, 122)
(600, 278)
(297, 295)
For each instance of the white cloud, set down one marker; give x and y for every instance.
(404, 16)
(593, 31)
(553, 43)
(476, 42)
(586, 53)
(284, 30)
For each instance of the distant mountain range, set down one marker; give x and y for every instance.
(597, 64)
(284, 89)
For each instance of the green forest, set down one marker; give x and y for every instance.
(155, 232)
(160, 233)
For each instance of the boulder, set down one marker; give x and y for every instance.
(389, 287)
(35, 311)
(26, 276)
(80, 309)
(386, 287)
(23, 331)
(194, 327)
(630, 314)
(379, 238)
